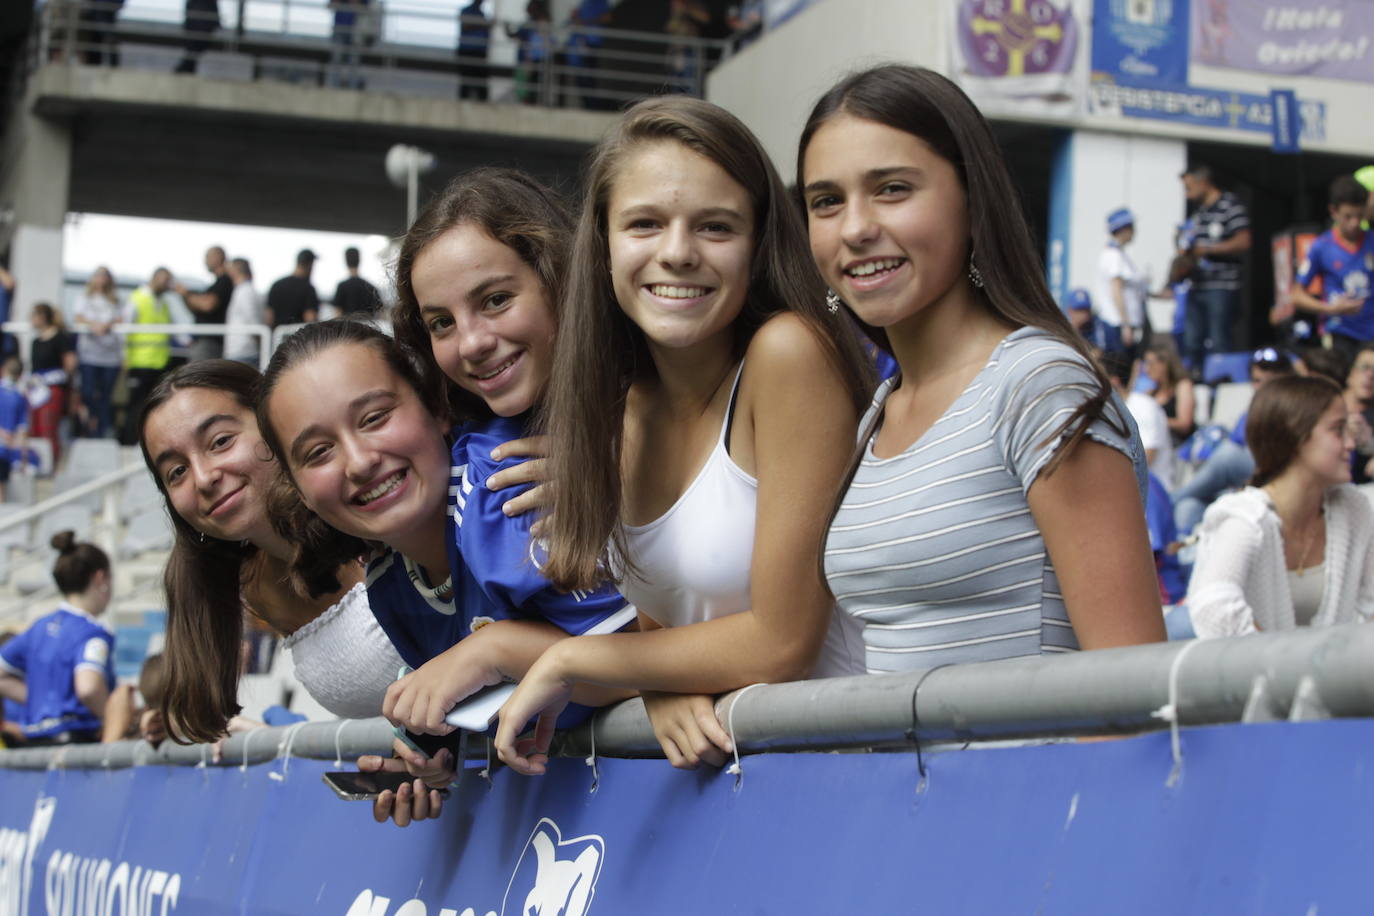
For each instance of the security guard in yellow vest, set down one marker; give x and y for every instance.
(145, 354)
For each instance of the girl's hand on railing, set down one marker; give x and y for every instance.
(420, 700)
(543, 693)
(687, 729)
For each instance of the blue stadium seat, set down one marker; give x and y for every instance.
(1226, 367)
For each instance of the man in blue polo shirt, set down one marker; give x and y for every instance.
(1334, 278)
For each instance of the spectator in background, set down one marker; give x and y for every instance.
(14, 422)
(97, 33)
(244, 308)
(474, 39)
(347, 37)
(355, 296)
(1173, 388)
(152, 686)
(292, 299)
(1296, 547)
(535, 44)
(210, 306)
(52, 365)
(1359, 400)
(687, 21)
(583, 47)
(1119, 299)
(1079, 308)
(746, 23)
(1334, 278)
(202, 19)
(1220, 244)
(99, 352)
(1148, 414)
(62, 667)
(1230, 463)
(146, 355)
(7, 345)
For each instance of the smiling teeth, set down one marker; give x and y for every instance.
(677, 292)
(382, 488)
(872, 267)
(497, 371)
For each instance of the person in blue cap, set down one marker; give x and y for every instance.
(1079, 307)
(1119, 299)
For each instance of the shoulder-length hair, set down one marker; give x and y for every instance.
(101, 283)
(513, 208)
(600, 351)
(202, 580)
(318, 548)
(1283, 414)
(930, 107)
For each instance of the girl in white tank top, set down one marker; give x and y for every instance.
(702, 406)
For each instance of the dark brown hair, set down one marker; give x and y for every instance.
(77, 563)
(202, 579)
(928, 106)
(1164, 350)
(600, 351)
(515, 210)
(318, 548)
(1283, 414)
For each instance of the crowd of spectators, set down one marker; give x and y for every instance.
(87, 368)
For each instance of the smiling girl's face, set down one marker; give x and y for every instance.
(887, 216)
(488, 317)
(362, 448)
(212, 463)
(681, 239)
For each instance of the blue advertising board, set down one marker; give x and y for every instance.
(1141, 42)
(1222, 108)
(1266, 818)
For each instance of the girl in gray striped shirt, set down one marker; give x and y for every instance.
(995, 507)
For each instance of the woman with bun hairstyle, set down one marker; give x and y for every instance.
(701, 406)
(1296, 547)
(62, 667)
(200, 441)
(995, 507)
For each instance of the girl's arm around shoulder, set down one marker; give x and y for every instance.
(1099, 546)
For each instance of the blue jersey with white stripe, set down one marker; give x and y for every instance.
(1342, 269)
(493, 571)
(47, 656)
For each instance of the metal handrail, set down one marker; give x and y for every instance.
(64, 34)
(24, 331)
(1303, 674)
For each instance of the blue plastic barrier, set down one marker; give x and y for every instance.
(1270, 818)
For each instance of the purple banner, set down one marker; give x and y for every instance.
(1326, 38)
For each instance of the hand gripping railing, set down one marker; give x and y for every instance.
(1301, 674)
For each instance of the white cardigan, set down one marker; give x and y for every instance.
(1240, 581)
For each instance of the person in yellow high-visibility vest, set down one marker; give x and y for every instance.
(145, 354)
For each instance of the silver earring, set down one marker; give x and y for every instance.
(202, 537)
(832, 301)
(975, 276)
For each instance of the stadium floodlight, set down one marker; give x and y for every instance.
(404, 165)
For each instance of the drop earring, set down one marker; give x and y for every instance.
(832, 301)
(975, 276)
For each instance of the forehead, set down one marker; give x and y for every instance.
(461, 257)
(846, 144)
(173, 424)
(667, 173)
(335, 375)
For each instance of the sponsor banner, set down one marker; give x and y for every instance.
(1141, 41)
(1287, 120)
(1219, 108)
(1057, 828)
(1021, 55)
(1327, 38)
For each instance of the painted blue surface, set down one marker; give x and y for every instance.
(1061, 211)
(1141, 42)
(1269, 818)
(1221, 108)
(1287, 121)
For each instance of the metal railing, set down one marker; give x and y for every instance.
(267, 340)
(1299, 675)
(390, 47)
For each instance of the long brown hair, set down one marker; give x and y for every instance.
(202, 580)
(515, 210)
(600, 351)
(318, 548)
(928, 106)
(1283, 414)
(95, 286)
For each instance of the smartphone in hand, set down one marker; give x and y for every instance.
(353, 785)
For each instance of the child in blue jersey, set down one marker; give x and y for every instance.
(14, 421)
(1334, 278)
(61, 669)
(355, 423)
